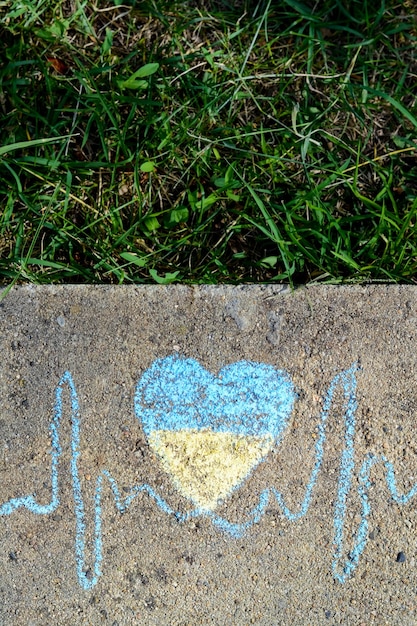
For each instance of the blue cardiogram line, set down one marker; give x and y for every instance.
(341, 570)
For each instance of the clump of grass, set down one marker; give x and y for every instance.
(208, 142)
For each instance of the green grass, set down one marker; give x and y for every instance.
(208, 141)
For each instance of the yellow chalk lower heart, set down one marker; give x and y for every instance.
(205, 465)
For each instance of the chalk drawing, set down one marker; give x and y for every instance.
(236, 417)
(211, 432)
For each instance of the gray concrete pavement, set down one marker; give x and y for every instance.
(180, 455)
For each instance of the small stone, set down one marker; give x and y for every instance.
(89, 574)
(150, 603)
(400, 557)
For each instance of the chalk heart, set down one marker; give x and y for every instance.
(210, 432)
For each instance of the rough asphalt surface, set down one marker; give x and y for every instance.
(176, 455)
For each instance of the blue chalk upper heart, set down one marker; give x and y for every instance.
(245, 398)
